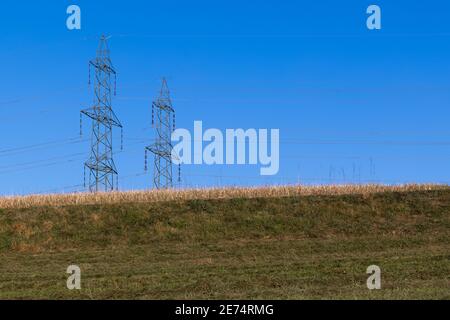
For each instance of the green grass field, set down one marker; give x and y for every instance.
(308, 247)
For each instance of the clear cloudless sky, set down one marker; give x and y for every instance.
(352, 105)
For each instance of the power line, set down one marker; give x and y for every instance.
(42, 145)
(72, 188)
(40, 161)
(77, 156)
(329, 180)
(287, 35)
(39, 166)
(39, 97)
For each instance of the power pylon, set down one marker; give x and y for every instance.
(162, 147)
(103, 174)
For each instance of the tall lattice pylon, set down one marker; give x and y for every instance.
(103, 174)
(164, 124)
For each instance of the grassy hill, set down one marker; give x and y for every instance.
(288, 243)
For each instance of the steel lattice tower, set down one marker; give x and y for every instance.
(102, 170)
(162, 147)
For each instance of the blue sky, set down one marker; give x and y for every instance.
(352, 105)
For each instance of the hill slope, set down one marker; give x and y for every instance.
(293, 247)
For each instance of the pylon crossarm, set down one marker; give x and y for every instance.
(101, 168)
(111, 121)
(159, 152)
(102, 66)
(165, 107)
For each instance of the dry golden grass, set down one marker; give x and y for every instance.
(202, 194)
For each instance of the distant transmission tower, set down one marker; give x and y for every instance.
(102, 170)
(162, 147)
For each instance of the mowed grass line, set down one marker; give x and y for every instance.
(234, 271)
(309, 247)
